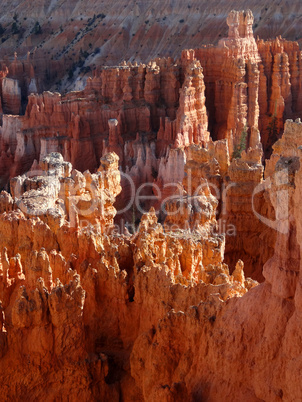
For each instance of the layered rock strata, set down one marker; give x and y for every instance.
(150, 115)
(86, 303)
(75, 295)
(243, 330)
(159, 306)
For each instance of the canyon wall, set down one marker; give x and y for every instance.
(67, 39)
(154, 315)
(76, 295)
(150, 115)
(239, 344)
(138, 214)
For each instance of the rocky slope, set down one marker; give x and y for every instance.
(135, 212)
(75, 35)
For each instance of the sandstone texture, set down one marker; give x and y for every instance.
(107, 33)
(150, 220)
(238, 93)
(76, 296)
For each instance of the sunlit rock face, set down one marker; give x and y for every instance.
(147, 251)
(66, 273)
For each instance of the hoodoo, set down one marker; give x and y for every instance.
(150, 224)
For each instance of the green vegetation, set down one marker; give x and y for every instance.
(242, 143)
(70, 73)
(80, 64)
(84, 54)
(15, 28)
(272, 127)
(37, 30)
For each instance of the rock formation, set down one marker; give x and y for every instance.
(146, 289)
(150, 115)
(61, 260)
(232, 82)
(11, 94)
(70, 39)
(220, 334)
(135, 212)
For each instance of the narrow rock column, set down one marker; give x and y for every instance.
(115, 142)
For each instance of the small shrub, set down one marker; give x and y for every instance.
(70, 74)
(81, 63)
(85, 70)
(242, 144)
(15, 28)
(37, 30)
(272, 127)
(84, 54)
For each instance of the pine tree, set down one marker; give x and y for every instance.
(242, 144)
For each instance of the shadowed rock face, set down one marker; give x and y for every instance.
(167, 312)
